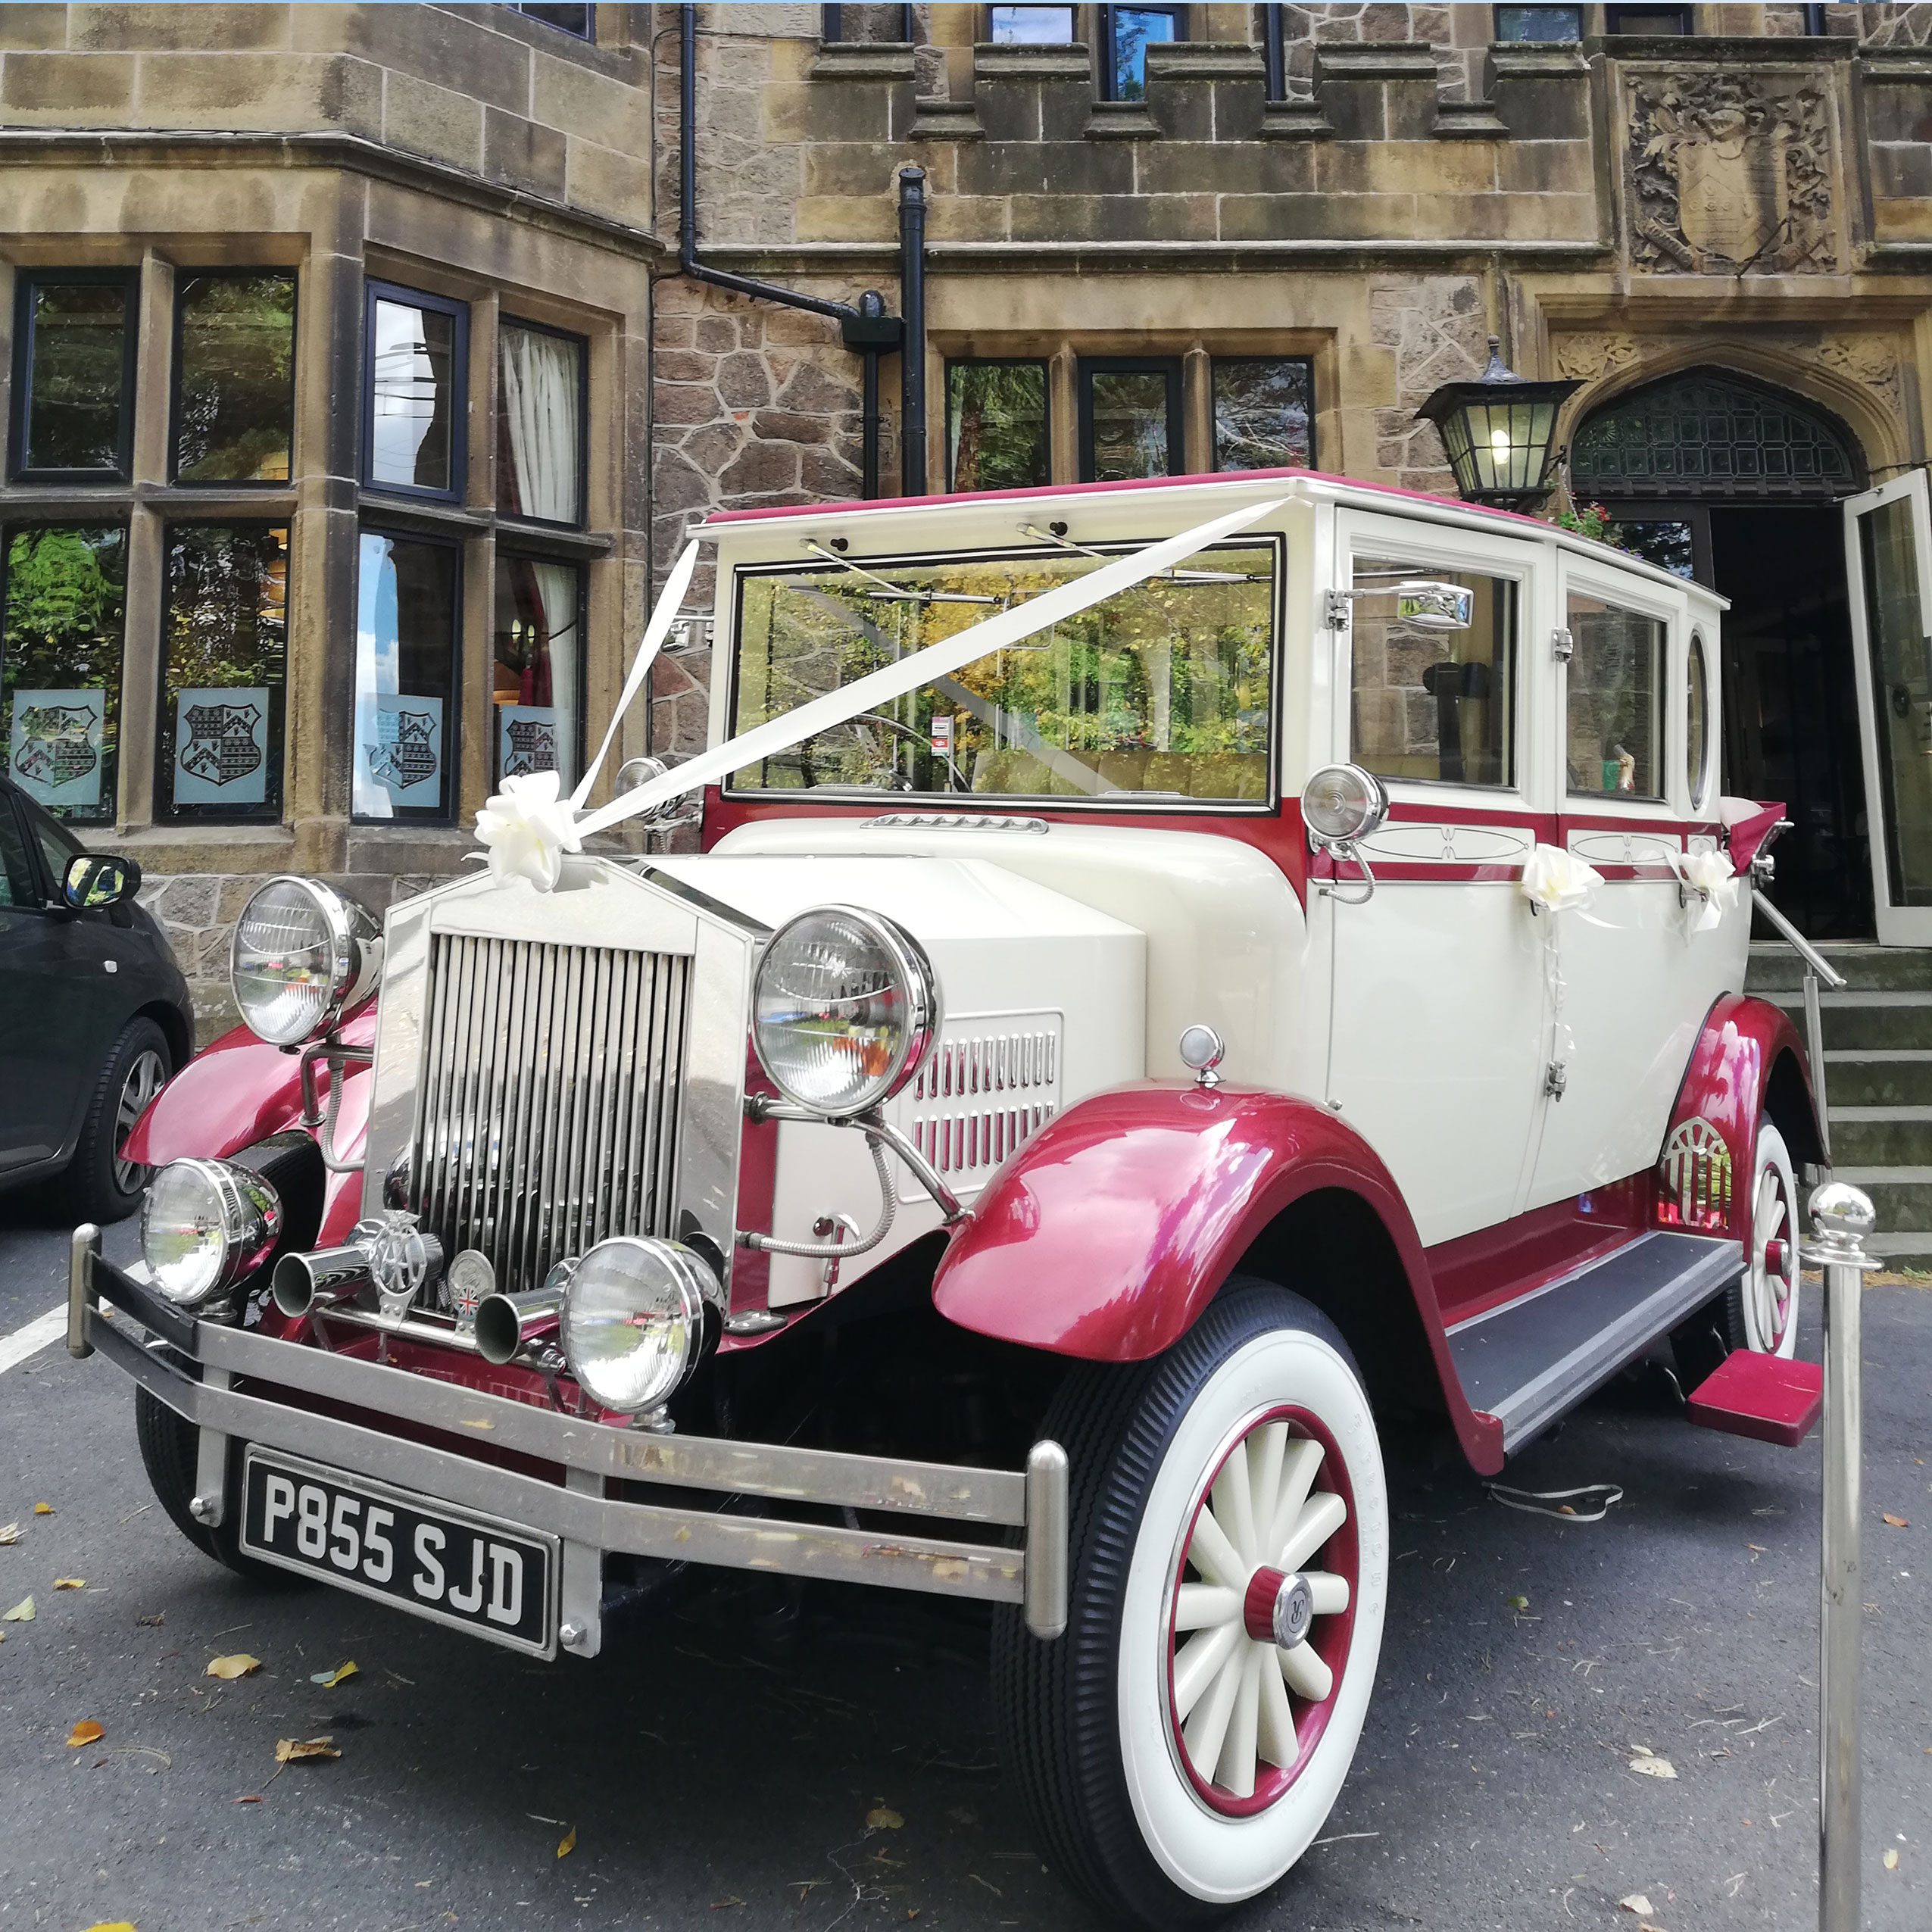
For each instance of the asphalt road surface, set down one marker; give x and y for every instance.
(720, 1771)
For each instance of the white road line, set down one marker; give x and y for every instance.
(14, 1349)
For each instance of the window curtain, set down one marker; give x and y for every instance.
(540, 400)
(557, 590)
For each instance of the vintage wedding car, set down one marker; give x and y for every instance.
(1176, 972)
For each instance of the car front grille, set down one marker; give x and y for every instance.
(547, 1110)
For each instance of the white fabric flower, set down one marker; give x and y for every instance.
(528, 829)
(1710, 874)
(1555, 881)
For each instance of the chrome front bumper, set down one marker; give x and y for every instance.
(193, 1365)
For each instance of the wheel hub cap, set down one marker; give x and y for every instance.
(1278, 1609)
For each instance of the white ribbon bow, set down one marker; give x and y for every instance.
(1557, 880)
(528, 829)
(1711, 876)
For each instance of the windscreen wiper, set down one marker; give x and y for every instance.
(1177, 575)
(898, 593)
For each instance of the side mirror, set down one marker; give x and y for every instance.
(93, 881)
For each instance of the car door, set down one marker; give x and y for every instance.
(1436, 1018)
(1635, 977)
(57, 1006)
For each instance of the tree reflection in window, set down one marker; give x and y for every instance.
(235, 408)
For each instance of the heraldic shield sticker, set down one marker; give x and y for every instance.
(221, 747)
(406, 757)
(55, 746)
(527, 739)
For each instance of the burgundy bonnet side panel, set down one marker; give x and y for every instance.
(1107, 1233)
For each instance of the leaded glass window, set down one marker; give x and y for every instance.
(1708, 433)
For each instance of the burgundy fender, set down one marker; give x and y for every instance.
(1726, 1086)
(1106, 1235)
(240, 1090)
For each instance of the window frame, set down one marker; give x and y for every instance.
(175, 478)
(1697, 651)
(1217, 362)
(518, 519)
(510, 550)
(1172, 366)
(1577, 577)
(19, 415)
(1366, 535)
(1499, 39)
(726, 688)
(401, 532)
(375, 290)
(1613, 21)
(1042, 362)
(272, 810)
(1105, 39)
(588, 37)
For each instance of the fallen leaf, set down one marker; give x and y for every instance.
(43, 1509)
(1565, 1510)
(1518, 1603)
(253, 1798)
(567, 1843)
(113, 1925)
(1653, 1767)
(474, 1422)
(1637, 1903)
(293, 1750)
(70, 1583)
(154, 1621)
(1898, 1522)
(229, 1668)
(883, 1818)
(85, 1732)
(21, 1613)
(1891, 1858)
(329, 1679)
(723, 1905)
(10, 1532)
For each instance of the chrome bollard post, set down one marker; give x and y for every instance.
(1841, 1217)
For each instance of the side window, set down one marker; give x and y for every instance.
(1432, 703)
(1697, 715)
(57, 847)
(1612, 730)
(415, 378)
(16, 869)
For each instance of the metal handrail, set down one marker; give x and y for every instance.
(1798, 942)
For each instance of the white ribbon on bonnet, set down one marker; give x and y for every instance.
(528, 827)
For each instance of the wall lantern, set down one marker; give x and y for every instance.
(1499, 432)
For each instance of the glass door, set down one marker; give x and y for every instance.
(1888, 557)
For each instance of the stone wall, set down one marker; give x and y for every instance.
(479, 88)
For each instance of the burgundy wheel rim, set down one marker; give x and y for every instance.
(1336, 1556)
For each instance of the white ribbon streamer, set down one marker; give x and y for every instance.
(880, 688)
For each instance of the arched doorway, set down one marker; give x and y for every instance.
(1721, 478)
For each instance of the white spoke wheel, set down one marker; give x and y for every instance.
(1183, 1743)
(1767, 1293)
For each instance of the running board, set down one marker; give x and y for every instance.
(1529, 1361)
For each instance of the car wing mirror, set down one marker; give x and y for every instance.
(94, 880)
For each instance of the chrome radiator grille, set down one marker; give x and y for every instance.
(546, 1106)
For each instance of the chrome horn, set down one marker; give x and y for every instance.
(303, 1282)
(507, 1324)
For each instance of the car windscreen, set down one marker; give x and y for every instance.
(1161, 692)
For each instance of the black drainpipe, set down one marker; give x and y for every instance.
(912, 349)
(866, 329)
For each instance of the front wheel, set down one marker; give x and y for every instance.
(1182, 1744)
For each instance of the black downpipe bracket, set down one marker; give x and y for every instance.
(867, 328)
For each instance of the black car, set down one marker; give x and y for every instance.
(95, 1014)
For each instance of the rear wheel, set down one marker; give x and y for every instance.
(1759, 1310)
(1181, 1746)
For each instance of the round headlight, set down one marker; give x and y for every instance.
(204, 1225)
(633, 1320)
(1341, 802)
(845, 1007)
(301, 955)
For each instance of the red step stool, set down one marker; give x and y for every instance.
(1763, 1396)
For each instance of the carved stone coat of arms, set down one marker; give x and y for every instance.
(1730, 173)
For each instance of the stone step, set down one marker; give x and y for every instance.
(1874, 1079)
(1881, 1136)
(1880, 1020)
(1774, 967)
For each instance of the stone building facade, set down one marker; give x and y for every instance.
(376, 284)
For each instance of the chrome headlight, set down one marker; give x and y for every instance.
(204, 1225)
(1343, 802)
(845, 1006)
(633, 1320)
(302, 955)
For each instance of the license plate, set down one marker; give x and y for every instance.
(421, 1555)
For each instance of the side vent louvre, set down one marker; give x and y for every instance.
(992, 1082)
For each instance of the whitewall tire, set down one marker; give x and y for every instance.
(1767, 1292)
(1177, 1759)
